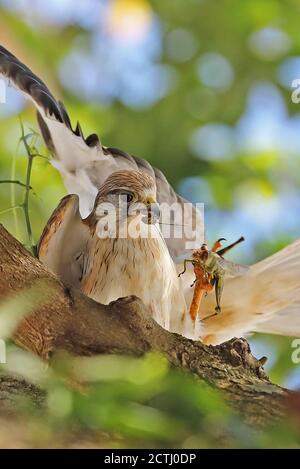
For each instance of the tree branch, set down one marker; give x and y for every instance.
(72, 322)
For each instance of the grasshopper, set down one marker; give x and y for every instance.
(210, 270)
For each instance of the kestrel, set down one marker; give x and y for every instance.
(106, 268)
(267, 299)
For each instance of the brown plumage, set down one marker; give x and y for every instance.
(267, 299)
(136, 181)
(108, 268)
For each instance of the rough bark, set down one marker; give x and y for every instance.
(68, 320)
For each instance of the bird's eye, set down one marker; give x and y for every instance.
(127, 195)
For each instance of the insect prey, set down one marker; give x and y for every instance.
(210, 270)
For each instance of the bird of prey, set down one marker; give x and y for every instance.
(267, 299)
(109, 267)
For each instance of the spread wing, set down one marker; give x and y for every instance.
(63, 241)
(83, 162)
(266, 300)
(285, 322)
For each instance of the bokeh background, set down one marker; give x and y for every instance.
(201, 89)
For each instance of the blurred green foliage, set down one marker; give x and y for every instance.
(132, 402)
(161, 132)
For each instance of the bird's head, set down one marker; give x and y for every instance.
(129, 197)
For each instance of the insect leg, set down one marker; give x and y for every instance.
(194, 282)
(184, 266)
(210, 316)
(213, 281)
(219, 285)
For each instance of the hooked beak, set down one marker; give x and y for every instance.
(150, 211)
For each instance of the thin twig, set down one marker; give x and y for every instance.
(10, 208)
(27, 187)
(13, 181)
(32, 153)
